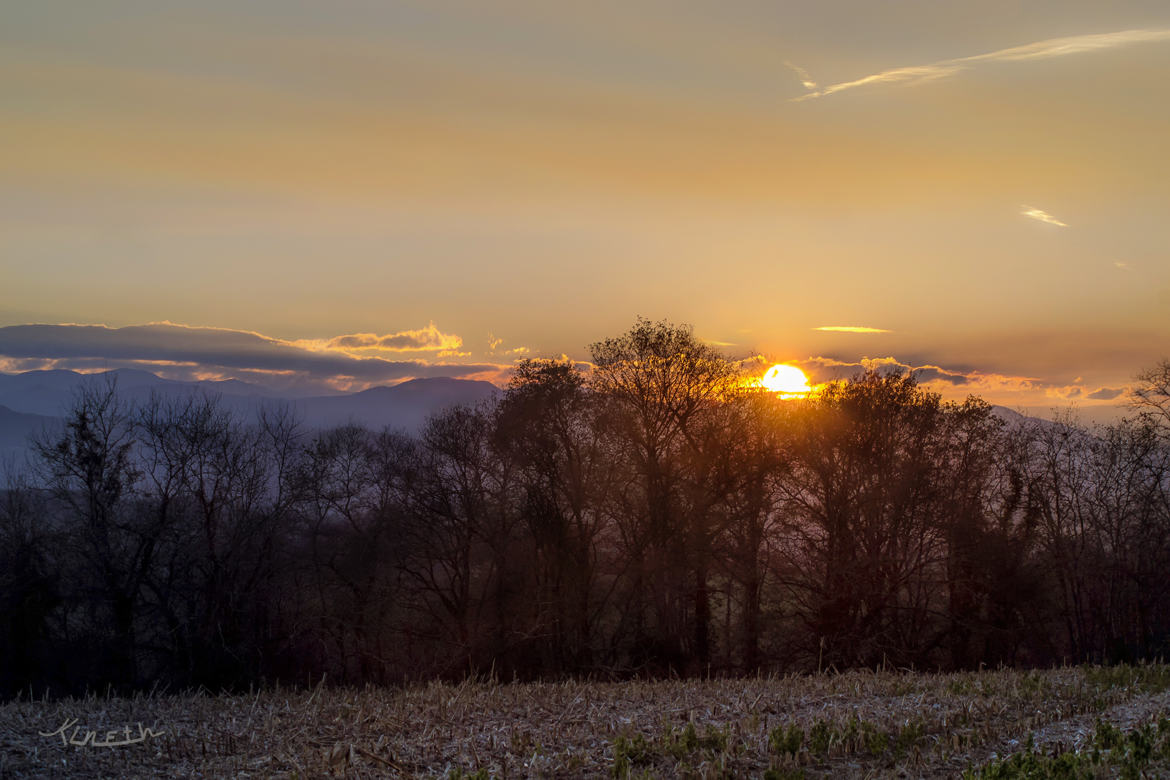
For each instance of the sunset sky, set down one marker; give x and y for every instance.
(358, 192)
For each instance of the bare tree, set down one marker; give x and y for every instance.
(864, 553)
(547, 423)
(662, 380)
(30, 588)
(1152, 394)
(90, 471)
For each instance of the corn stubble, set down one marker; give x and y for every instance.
(860, 724)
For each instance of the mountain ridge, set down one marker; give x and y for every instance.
(39, 398)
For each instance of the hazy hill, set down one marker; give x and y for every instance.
(50, 392)
(15, 430)
(402, 406)
(35, 399)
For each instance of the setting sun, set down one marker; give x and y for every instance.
(788, 380)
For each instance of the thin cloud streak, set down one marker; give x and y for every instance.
(1042, 216)
(1040, 50)
(850, 329)
(805, 79)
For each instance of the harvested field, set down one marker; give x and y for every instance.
(1104, 721)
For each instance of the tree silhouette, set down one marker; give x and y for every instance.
(1152, 393)
(90, 471)
(650, 515)
(663, 380)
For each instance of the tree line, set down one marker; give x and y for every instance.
(651, 516)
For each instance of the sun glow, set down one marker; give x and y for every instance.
(789, 381)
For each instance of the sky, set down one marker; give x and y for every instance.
(359, 192)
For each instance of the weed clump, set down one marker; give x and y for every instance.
(1110, 751)
(675, 747)
(786, 741)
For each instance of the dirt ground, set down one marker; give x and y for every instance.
(857, 724)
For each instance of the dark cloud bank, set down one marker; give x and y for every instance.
(181, 352)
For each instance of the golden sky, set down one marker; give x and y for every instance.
(977, 187)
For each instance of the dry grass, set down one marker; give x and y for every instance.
(855, 724)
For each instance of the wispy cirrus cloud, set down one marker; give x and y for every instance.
(850, 329)
(805, 79)
(1042, 216)
(1040, 50)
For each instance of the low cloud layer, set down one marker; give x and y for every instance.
(955, 384)
(357, 361)
(184, 352)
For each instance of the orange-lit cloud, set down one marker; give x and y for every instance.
(1041, 216)
(956, 384)
(428, 339)
(1040, 50)
(494, 344)
(850, 329)
(1106, 394)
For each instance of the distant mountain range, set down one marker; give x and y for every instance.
(38, 400)
(16, 430)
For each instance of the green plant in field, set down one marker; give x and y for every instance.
(1031, 765)
(1034, 683)
(786, 741)
(961, 687)
(908, 736)
(902, 687)
(851, 732)
(716, 740)
(628, 753)
(682, 745)
(687, 742)
(1128, 754)
(1148, 678)
(876, 741)
(1107, 736)
(784, 774)
(1141, 745)
(820, 738)
(970, 685)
